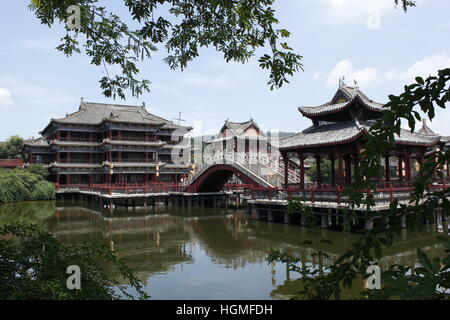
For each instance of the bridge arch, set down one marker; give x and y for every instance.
(215, 177)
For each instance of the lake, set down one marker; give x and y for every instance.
(203, 253)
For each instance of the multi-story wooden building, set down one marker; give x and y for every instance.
(111, 144)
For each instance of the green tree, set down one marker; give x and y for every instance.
(325, 170)
(12, 148)
(21, 185)
(237, 29)
(38, 169)
(33, 266)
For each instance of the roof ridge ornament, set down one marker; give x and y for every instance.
(341, 81)
(82, 104)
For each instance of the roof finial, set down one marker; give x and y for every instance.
(82, 103)
(356, 84)
(143, 104)
(341, 81)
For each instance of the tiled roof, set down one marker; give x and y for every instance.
(333, 133)
(95, 113)
(342, 132)
(76, 143)
(238, 128)
(425, 129)
(350, 95)
(39, 142)
(135, 143)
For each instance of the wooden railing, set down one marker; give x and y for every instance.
(11, 163)
(336, 194)
(327, 194)
(127, 188)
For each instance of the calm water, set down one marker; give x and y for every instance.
(201, 253)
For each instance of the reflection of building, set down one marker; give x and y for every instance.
(337, 132)
(108, 143)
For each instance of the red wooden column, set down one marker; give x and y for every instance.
(420, 162)
(57, 179)
(356, 164)
(333, 173)
(68, 157)
(69, 138)
(348, 169)
(400, 168)
(448, 169)
(341, 169)
(387, 169)
(58, 157)
(319, 179)
(286, 172)
(90, 180)
(408, 167)
(90, 157)
(302, 170)
(68, 179)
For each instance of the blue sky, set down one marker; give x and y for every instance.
(370, 41)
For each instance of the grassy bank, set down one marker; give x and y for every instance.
(24, 185)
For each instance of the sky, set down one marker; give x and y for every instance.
(380, 47)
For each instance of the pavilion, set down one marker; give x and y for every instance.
(337, 132)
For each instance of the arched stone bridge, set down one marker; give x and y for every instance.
(212, 177)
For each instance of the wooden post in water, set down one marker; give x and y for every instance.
(287, 217)
(403, 222)
(270, 217)
(368, 223)
(324, 221)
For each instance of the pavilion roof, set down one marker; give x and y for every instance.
(343, 99)
(91, 113)
(39, 142)
(425, 129)
(238, 128)
(327, 133)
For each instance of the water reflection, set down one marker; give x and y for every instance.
(198, 253)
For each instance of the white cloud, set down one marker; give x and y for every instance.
(35, 94)
(365, 77)
(5, 98)
(222, 75)
(351, 11)
(424, 68)
(364, 12)
(316, 75)
(371, 76)
(220, 81)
